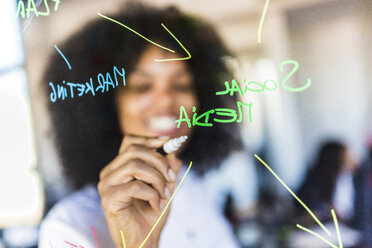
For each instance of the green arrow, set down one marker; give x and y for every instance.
(152, 42)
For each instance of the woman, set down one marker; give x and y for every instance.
(329, 183)
(111, 138)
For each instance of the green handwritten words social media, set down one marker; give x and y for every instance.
(267, 85)
(227, 115)
(220, 115)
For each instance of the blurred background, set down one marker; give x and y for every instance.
(330, 39)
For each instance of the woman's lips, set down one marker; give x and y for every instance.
(164, 123)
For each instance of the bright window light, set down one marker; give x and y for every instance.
(20, 186)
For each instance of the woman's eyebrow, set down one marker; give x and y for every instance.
(184, 72)
(139, 72)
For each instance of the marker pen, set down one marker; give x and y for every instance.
(172, 145)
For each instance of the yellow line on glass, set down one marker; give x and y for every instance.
(294, 195)
(152, 42)
(262, 21)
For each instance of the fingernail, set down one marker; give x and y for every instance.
(172, 175)
(161, 206)
(164, 137)
(167, 193)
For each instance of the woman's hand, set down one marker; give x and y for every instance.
(134, 189)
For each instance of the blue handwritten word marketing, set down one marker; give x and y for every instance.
(69, 89)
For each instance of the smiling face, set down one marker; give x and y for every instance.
(150, 103)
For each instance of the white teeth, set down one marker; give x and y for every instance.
(162, 123)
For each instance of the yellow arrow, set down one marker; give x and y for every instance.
(309, 211)
(152, 42)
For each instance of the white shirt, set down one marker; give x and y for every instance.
(193, 221)
(236, 176)
(344, 195)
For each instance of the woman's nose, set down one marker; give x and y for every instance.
(164, 96)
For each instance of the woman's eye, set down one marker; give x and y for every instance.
(182, 87)
(140, 88)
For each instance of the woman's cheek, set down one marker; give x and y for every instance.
(129, 112)
(188, 101)
(135, 104)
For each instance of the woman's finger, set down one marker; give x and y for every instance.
(136, 170)
(174, 162)
(150, 142)
(150, 157)
(120, 197)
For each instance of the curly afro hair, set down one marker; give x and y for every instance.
(86, 128)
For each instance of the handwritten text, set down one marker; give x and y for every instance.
(104, 83)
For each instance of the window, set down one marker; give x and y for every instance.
(20, 186)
